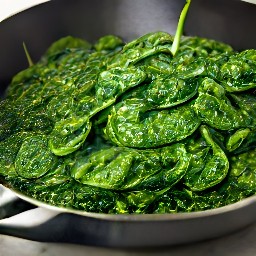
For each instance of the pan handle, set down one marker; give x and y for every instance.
(29, 218)
(36, 224)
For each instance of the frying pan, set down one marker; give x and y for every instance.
(230, 21)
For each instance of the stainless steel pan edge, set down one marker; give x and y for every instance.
(53, 224)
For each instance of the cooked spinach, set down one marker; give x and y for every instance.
(161, 124)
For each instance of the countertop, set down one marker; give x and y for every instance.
(240, 243)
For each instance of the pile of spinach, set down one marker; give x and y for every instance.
(161, 124)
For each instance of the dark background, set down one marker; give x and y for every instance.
(230, 21)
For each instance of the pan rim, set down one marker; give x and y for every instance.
(155, 217)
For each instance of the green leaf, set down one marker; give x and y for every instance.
(108, 42)
(132, 124)
(67, 42)
(210, 171)
(236, 139)
(215, 109)
(34, 158)
(239, 73)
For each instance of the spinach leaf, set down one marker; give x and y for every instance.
(215, 109)
(34, 158)
(212, 167)
(238, 74)
(132, 124)
(67, 42)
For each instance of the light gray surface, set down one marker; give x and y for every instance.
(241, 243)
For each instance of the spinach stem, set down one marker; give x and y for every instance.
(179, 31)
(30, 62)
